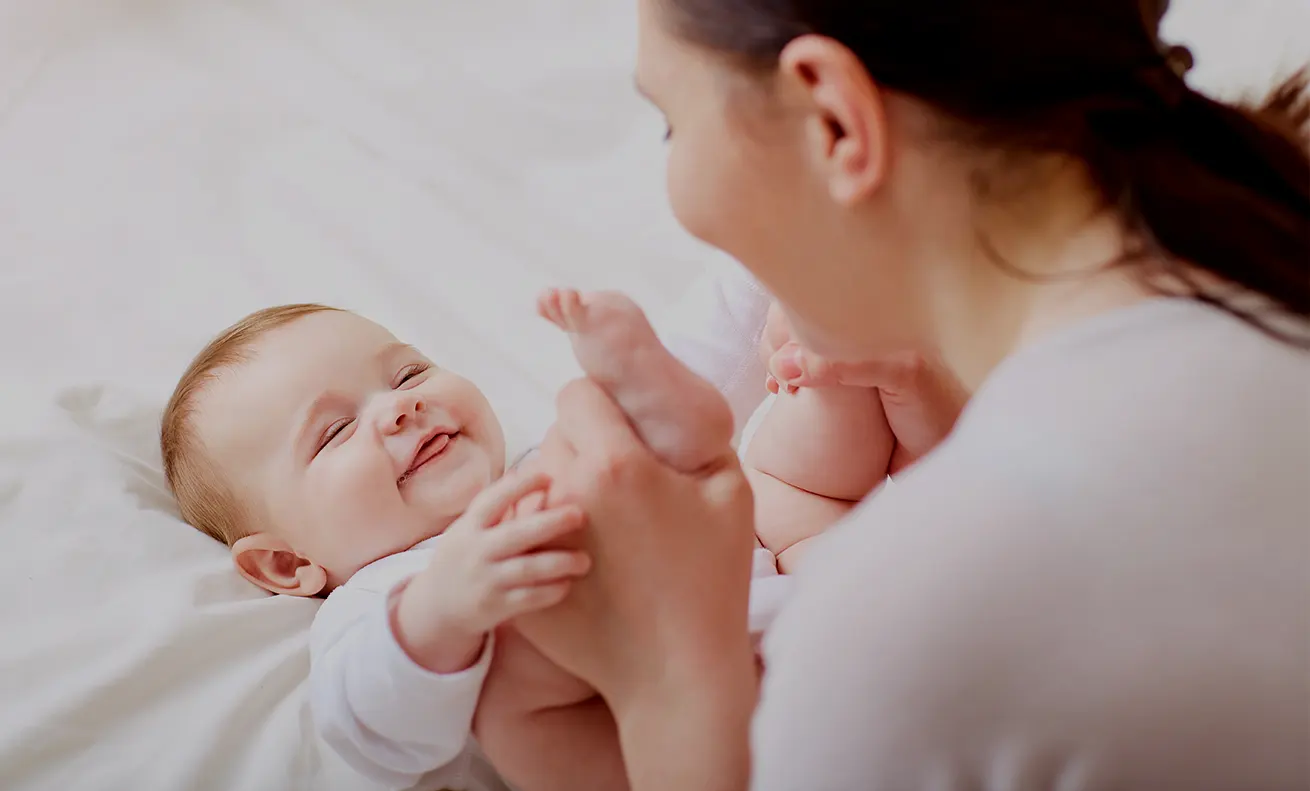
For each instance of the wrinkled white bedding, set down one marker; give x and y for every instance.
(168, 166)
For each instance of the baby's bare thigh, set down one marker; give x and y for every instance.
(831, 441)
(522, 679)
(786, 515)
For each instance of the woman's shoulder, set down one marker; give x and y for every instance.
(1167, 395)
(1165, 354)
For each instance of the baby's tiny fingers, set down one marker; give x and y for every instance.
(541, 567)
(526, 533)
(534, 502)
(492, 502)
(521, 601)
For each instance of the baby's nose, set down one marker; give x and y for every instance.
(404, 409)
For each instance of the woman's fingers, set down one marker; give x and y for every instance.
(902, 371)
(491, 504)
(777, 332)
(795, 366)
(539, 568)
(517, 536)
(590, 421)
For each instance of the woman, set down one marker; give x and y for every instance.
(1098, 579)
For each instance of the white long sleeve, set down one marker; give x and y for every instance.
(715, 330)
(391, 720)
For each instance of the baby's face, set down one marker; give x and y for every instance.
(348, 444)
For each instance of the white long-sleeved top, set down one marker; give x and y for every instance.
(404, 727)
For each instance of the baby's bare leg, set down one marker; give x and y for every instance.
(817, 452)
(683, 419)
(542, 728)
(831, 441)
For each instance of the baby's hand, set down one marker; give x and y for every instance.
(485, 572)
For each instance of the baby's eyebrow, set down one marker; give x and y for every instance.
(395, 349)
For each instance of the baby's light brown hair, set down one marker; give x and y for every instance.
(205, 499)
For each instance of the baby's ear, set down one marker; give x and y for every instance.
(270, 563)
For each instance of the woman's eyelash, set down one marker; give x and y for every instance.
(668, 132)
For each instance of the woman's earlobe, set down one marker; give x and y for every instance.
(271, 563)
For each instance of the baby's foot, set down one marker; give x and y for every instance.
(678, 414)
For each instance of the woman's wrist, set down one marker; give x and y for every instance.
(702, 715)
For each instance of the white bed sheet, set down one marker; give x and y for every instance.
(166, 167)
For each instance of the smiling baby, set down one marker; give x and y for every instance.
(336, 461)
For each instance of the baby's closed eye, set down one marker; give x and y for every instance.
(333, 431)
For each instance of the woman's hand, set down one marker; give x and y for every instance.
(671, 555)
(777, 334)
(920, 395)
(659, 625)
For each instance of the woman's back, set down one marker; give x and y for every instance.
(1108, 563)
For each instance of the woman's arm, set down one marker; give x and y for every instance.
(695, 737)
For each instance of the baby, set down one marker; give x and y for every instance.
(336, 461)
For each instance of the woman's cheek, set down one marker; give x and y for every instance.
(692, 194)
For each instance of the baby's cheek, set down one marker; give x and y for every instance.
(350, 485)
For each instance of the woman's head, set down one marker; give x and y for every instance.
(847, 151)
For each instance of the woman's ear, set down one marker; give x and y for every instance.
(847, 129)
(270, 563)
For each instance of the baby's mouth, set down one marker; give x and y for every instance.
(429, 450)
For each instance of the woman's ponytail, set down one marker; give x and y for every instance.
(1222, 188)
(1233, 197)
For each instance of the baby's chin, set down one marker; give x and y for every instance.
(442, 495)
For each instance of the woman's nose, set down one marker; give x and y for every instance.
(402, 410)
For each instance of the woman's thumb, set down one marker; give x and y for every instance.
(794, 366)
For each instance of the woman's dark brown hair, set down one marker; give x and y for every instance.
(1223, 188)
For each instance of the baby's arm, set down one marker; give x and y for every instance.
(390, 719)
